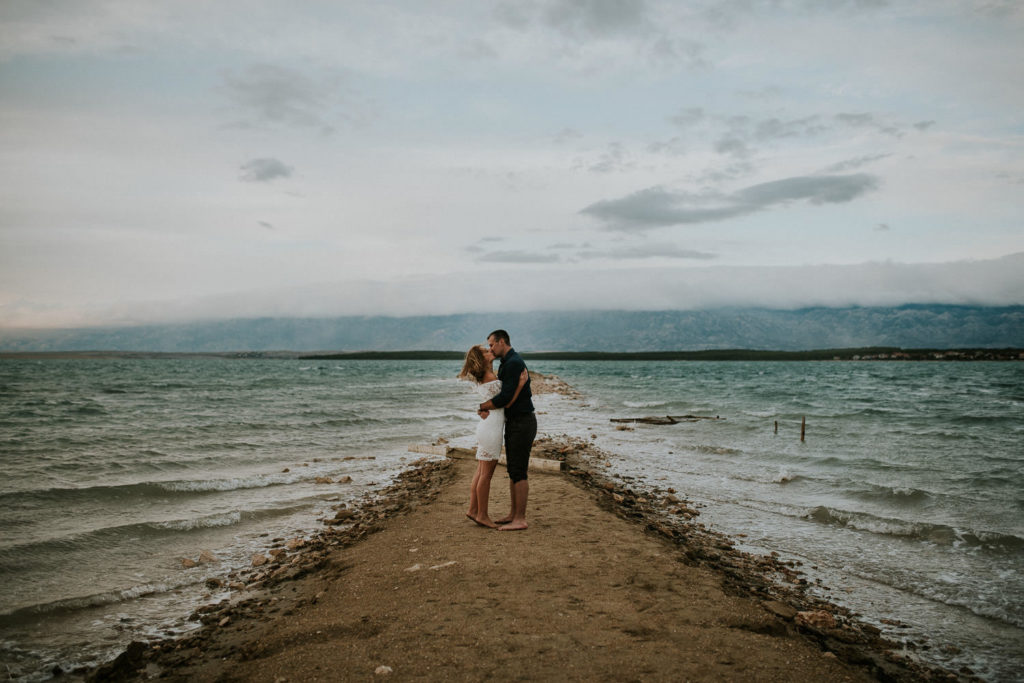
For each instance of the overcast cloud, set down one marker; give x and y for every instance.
(261, 157)
(657, 207)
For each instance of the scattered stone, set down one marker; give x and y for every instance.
(780, 609)
(819, 619)
(324, 480)
(442, 566)
(206, 557)
(414, 568)
(295, 544)
(258, 560)
(345, 479)
(276, 552)
(285, 470)
(188, 563)
(214, 582)
(383, 670)
(224, 622)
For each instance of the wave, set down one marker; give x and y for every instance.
(716, 450)
(52, 552)
(32, 613)
(786, 478)
(145, 490)
(643, 404)
(939, 534)
(900, 495)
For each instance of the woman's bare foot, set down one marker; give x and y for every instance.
(507, 519)
(514, 526)
(485, 521)
(471, 515)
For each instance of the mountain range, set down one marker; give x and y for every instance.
(910, 326)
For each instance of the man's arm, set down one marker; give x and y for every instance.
(522, 383)
(513, 368)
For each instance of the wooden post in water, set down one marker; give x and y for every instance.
(803, 427)
(776, 426)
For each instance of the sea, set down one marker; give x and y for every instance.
(903, 501)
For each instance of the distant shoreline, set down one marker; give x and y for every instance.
(874, 353)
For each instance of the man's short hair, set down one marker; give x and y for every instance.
(501, 335)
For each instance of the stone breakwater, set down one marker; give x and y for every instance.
(551, 384)
(275, 589)
(261, 593)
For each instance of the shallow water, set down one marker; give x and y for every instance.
(905, 499)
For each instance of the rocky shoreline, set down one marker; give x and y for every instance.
(258, 590)
(268, 591)
(778, 584)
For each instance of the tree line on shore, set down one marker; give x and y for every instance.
(873, 353)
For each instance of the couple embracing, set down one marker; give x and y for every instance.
(506, 415)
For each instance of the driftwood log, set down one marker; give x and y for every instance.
(667, 419)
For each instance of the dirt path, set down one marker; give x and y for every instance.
(582, 595)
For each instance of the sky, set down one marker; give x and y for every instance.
(170, 161)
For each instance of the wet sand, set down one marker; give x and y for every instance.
(606, 584)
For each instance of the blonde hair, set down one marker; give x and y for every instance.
(475, 366)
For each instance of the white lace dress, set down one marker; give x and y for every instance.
(489, 432)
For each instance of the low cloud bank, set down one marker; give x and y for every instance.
(520, 287)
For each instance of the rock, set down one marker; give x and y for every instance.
(780, 609)
(345, 479)
(187, 563)
(258, 560)
(324, 480)
(383, 670)
(816, 618)
(295, 544)
(124, 666)
(443, 565)
(285, 470)
(224, 622)
(276, 552)
(207, 557)
(214, 582)
(344, 513)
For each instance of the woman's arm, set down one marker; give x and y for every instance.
(525, 375)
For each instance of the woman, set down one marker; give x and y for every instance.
(489, 432)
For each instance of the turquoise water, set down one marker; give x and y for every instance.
(905, 499)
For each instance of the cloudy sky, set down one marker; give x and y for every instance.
(172, 160)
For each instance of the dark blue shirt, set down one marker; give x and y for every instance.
(509, 370)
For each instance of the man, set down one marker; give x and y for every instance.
(520, 427)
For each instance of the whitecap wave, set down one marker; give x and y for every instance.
(208, 522)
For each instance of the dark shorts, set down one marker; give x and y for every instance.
(520, 430)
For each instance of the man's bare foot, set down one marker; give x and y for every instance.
(485, 521)
(471, 515)
(507, 519)
(514, 526)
